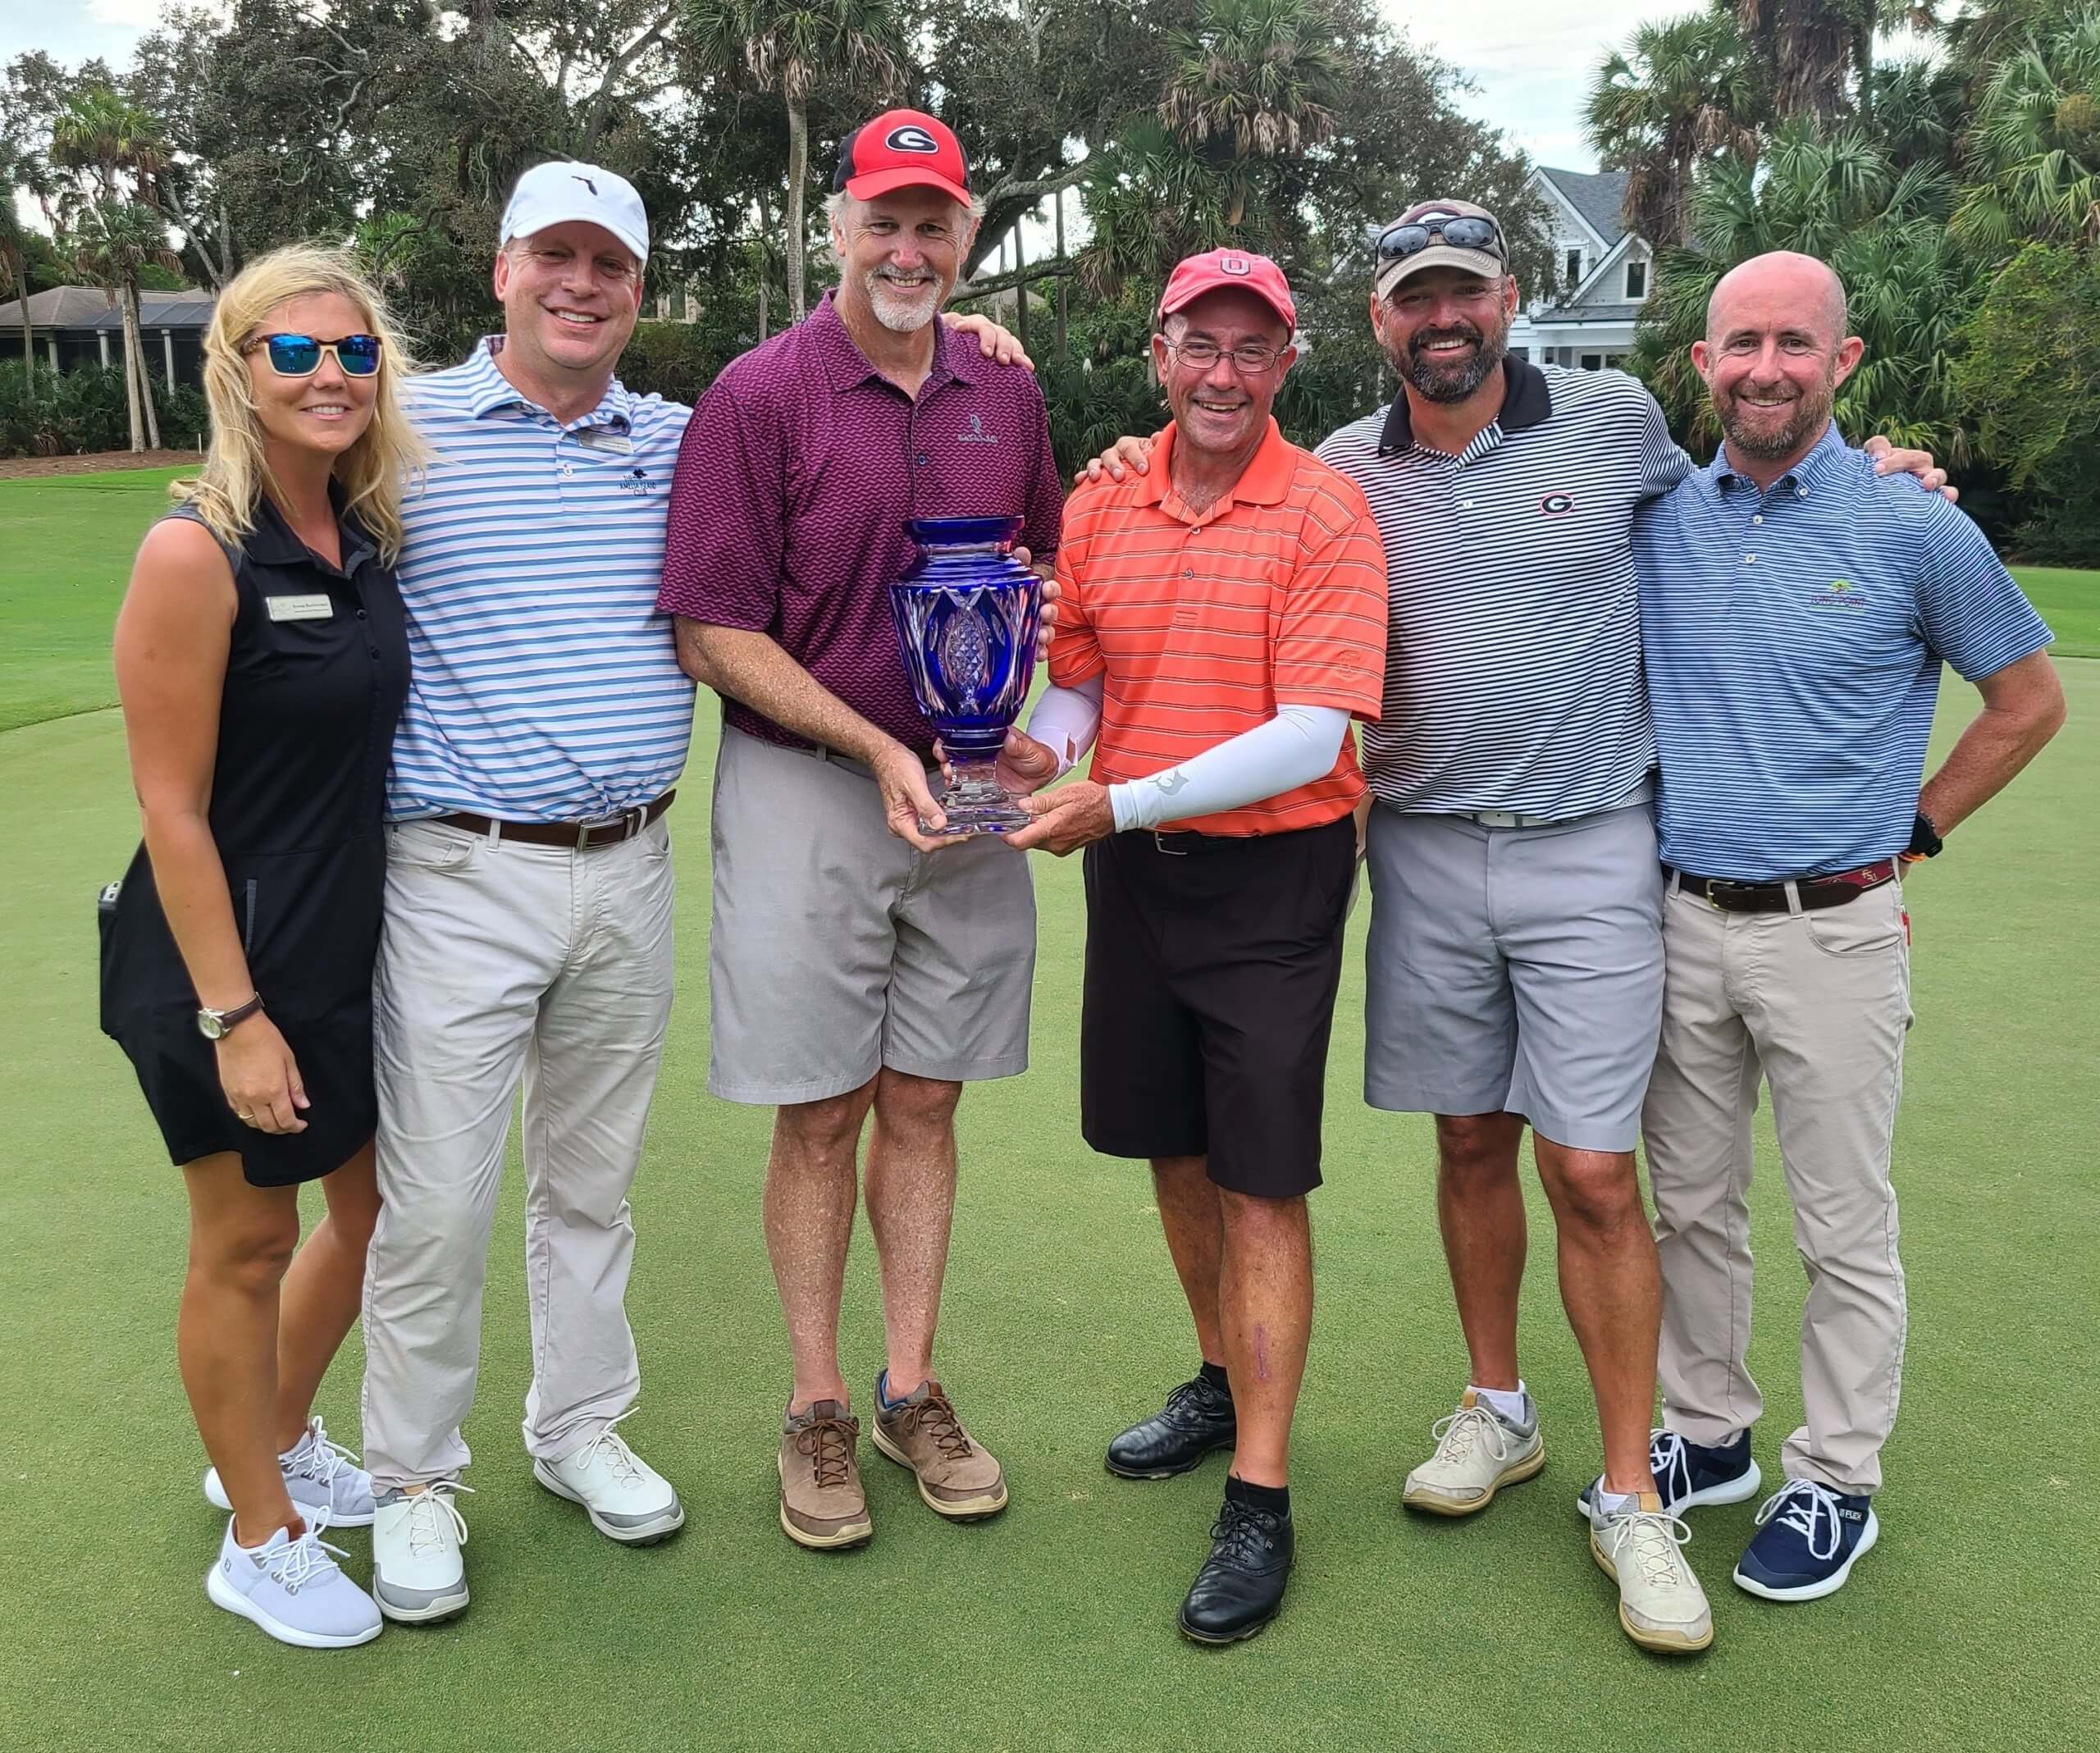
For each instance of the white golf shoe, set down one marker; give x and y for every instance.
(292, 1586)
(319, 1475)
(626, 1497)
(418, 1575)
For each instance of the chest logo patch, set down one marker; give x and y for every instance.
(635, 482)
(1840, 593)
(976, 434)
(1556, 505)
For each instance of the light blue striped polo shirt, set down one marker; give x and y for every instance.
(544, 685)
(1793, 640)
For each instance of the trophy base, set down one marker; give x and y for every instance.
(977, 804)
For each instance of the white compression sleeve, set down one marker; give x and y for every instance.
(1296, 748)
(1068, 719)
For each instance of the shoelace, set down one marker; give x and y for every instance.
(305, 1560)
(426, 1529)
(1456, 1434)
(1192, 1399)
(1241, 1535)
(1655, 1536)
(1671, 1466)
(829, 1443)
(610, 1447)
(319, 1459)
(1803, 1505)
(937, 1418)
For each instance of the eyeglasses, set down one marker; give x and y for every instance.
(299, 355)
(1250, 361)
(1410, 237)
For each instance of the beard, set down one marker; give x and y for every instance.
(1767, 442)
(1453, 381)
(901, 310)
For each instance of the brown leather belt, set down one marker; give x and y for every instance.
(580, 837)
(1832, 890)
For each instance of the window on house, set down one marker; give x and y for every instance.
(1636, 279)
(1574, 269)
(1593, 361)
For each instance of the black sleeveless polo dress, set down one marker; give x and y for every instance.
(315, 674)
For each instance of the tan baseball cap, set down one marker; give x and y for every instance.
(1415, 241)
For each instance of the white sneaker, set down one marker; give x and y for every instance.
(626, 1497)
(417, 1576)
(1479, 1451)
(320, 1476)
(1661, 1606)
(294, 1589)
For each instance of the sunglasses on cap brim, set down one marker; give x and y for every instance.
(1410, 237)
(299, 355)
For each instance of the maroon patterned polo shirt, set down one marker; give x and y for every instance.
(797, 473)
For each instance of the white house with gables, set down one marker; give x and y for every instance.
(1602, 274)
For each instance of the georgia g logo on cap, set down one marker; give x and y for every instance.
(910, 138)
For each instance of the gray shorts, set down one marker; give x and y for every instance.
(837, 949)
(1518, 970)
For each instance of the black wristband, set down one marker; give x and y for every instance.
(1925, 842)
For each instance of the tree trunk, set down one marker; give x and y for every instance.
(798, 163)
(131, 348)
(1062, 351)
(18, 269)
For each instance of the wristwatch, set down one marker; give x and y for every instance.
(1925, 842)
(214, 1024)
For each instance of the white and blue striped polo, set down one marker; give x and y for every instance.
(1794, 641)
(1512, 665)
(545, 686)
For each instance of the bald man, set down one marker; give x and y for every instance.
(1796, 609)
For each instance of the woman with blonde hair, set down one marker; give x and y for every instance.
(262, 658)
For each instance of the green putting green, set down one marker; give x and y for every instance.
(1971, 1626)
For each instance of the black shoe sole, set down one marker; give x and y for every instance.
(1213, 1640)
(1171, 1472)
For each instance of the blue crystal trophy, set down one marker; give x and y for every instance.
(966, 617)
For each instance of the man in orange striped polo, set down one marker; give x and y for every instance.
(1223, 617)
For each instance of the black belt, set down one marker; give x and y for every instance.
(1831, 890)
(1182, 843)
(580, 837)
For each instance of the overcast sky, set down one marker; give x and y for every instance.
(1532, 59)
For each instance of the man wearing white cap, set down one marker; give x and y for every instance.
(528, 933)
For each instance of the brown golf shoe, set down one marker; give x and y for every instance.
(822, 1505)
(955, 1476)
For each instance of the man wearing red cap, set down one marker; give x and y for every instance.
(857, 964)
(1222, 619)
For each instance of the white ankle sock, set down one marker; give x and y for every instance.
(1507, 1401)
(1617, 1503)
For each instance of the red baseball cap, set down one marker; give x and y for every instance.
(901, 149)
(1195, 275)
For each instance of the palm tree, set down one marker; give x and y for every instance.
(104, 138)
(1678, 96)
(1253, 80)
(2034, 143)
(789, 46)
(1816, 48)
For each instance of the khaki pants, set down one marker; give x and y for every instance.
(502, 963)
(1815, 1005)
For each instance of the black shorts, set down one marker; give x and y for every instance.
(1211, 974)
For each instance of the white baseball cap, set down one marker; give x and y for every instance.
(564, 191)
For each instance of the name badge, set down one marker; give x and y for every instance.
(613, 444)
(317, 607)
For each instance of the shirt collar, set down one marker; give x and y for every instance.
(955, 355)
(1526, 402)
(1264, 482)
(1810, 473)
(488, 391)
(274, 542)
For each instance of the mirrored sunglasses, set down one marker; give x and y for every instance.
(299, 355)
(1396, 242)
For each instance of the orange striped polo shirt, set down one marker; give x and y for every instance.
(1202, 624)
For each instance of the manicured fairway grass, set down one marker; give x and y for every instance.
(1972, 1627)
(65, 549)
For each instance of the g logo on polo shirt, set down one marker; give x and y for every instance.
(1556, 505)
(910, 138)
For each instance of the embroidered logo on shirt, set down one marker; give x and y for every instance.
(637, 483)
(1556, 505)
(1841, 593)
(976, 434)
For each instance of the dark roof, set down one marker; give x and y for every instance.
(91, 307)
(1598, 197)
